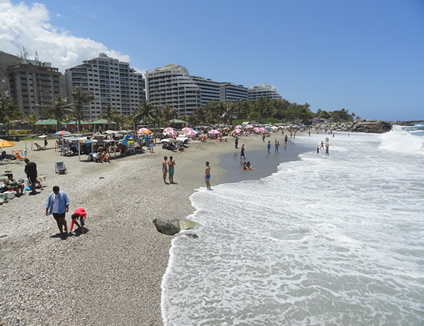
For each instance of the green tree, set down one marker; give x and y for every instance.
(58, 109)
(81, 98)
(32, 118)
(8, 111)
(146, 112)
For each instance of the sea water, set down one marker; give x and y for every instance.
(332, 239)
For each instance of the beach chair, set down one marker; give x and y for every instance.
(39, 148)
(60, 168)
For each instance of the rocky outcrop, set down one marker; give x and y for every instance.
(369, 126)
(173, 226)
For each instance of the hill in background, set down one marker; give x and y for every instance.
(6, 60)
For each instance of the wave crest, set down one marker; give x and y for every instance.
(401, 141)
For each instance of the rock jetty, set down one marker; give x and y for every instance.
(368, 126)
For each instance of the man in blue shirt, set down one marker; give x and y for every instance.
(58, 205)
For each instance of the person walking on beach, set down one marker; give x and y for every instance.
(208, 176)
(151, 144)
(242, 152)
(263, 138)
(269, 146)
(58, 205)
(277, 144)
(31, 172)
(286, 139)
(164, 169)
(171, 165)
(236, 142)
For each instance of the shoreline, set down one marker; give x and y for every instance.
(113, 273)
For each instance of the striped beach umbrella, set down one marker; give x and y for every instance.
(63, 133)
(143, 131)
(192, 132)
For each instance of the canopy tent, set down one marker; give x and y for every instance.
(101, 123)
(176, 123)
(73, 124)
(47, 122)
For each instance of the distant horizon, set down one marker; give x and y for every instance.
(365, 57)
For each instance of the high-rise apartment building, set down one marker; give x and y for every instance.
(209, 89)
(171, 85)
(33, 85)
(267, 91)
(111, 82)
(231, 92)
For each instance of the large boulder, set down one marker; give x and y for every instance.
(173, 226)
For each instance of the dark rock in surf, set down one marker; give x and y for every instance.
(173, 226)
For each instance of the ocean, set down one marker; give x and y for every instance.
(332, 239)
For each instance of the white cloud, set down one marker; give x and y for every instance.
(21, 25)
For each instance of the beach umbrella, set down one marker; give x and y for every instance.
(143, 131)
(170, 132)
(238, 127)
(186, 129)
(6, 143)
(237, 131)
(168, 129)
(63, 133)
(191, 132)
(249, 127)
(274, 128)
(257, 130)
(214, 132)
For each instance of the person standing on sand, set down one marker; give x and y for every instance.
(164, 169)
(269, 146)
(58, 205)
(242, 152)
(151, 144)
(236, 142)
(208, 176)
(277, 144)
(31, 172)
(171, 165)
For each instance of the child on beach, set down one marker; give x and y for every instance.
(82, 215)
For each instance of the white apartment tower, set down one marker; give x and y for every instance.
(111, 82)
(171, 85)
(267, 91)
(209, 89)
(231, 92)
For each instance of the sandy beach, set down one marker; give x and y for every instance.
(112, 274)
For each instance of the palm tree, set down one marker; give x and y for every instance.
(135, 117)
(8, 111)
(32, 118)
(119, 119)
(158, 115)
(109, 114)
(146, 112)
(81, 98)
(58, 109)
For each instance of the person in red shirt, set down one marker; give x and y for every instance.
(82, 215)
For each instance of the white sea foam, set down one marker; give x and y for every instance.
(332, 239)
(402, 141)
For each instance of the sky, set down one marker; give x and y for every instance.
(366, 56)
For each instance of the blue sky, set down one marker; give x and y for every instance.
(366, 56)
